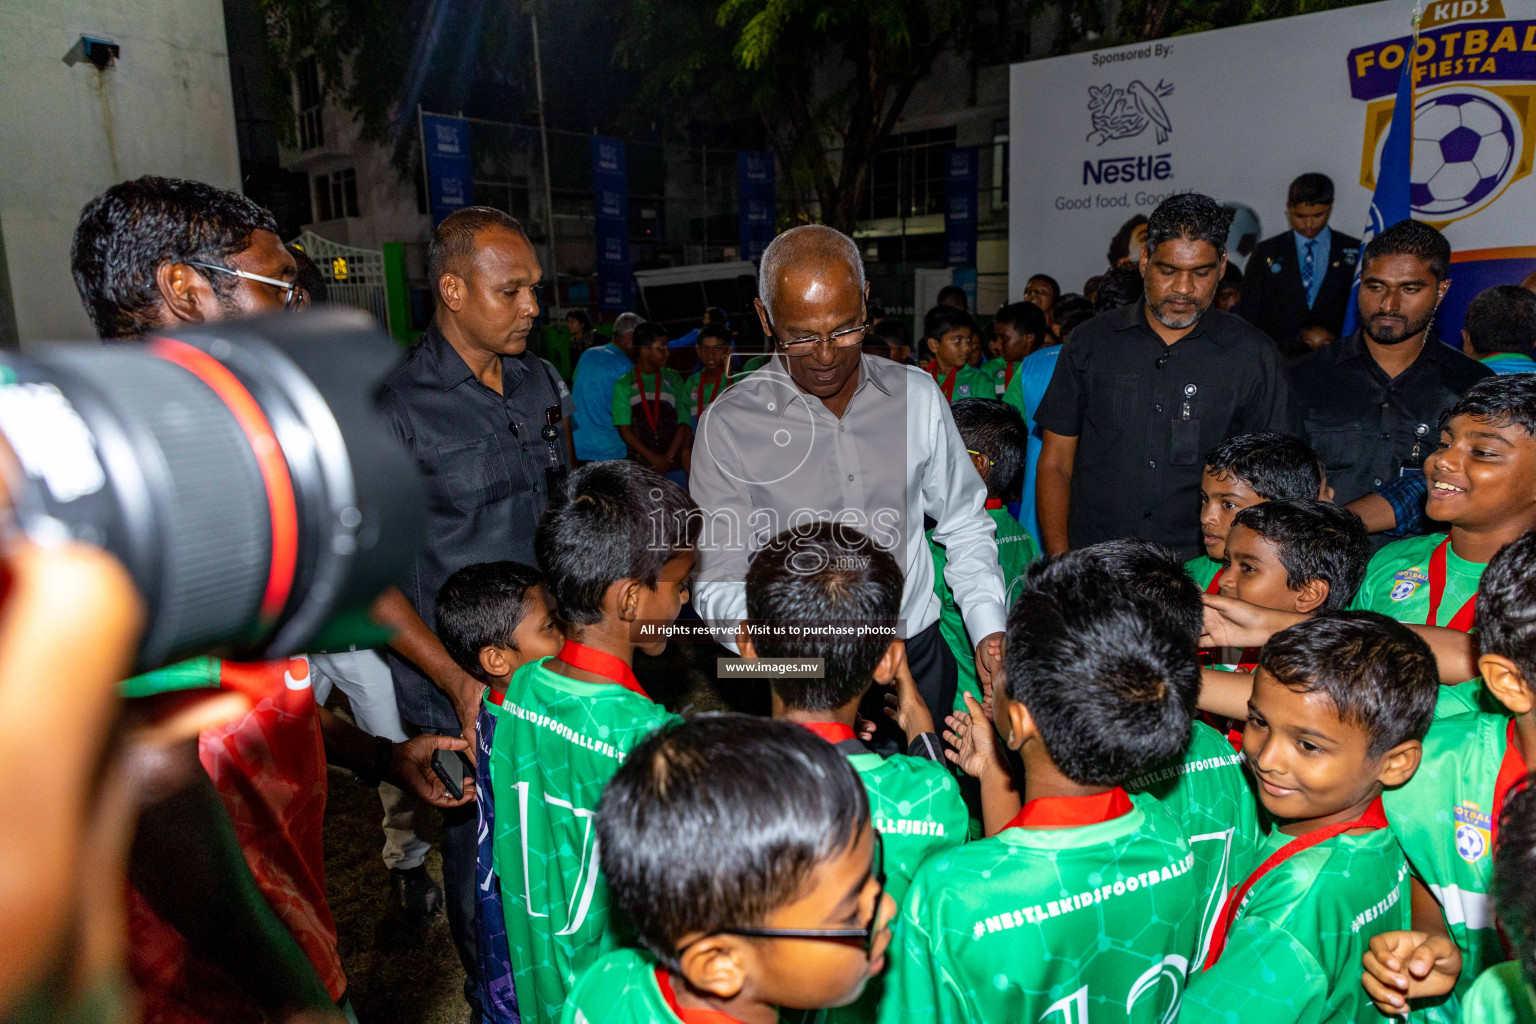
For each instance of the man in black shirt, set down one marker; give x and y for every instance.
(1370, 404)
(472, 404)
(1144, 391)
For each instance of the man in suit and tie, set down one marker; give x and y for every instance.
(1303, 276)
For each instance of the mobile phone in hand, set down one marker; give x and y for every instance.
(453, 768)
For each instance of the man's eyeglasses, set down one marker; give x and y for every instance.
(846, 338)
(866, 934)
(293, 295)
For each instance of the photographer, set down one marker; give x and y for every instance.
(236, 923)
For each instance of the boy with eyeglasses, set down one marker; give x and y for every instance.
(714, 343)
(742, 852)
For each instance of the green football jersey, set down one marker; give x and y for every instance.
(1397, 581)
(969, 382)
(916, 808)
(1208, 793)
(557, 744)
(1500, 995)
(1203, 570)
(1062, 925)
(700, 393)
(620, 988)
(1016, 550)
(996, 371)
(1294, 950)
(1443, 818)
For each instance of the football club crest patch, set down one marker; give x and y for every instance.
(1473, 826)
(1406, 583)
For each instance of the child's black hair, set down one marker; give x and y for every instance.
(822, 575)
(941, 320)
(1275, 465)
(894, 332)
(1025, 317)
(1380, 676)
(1502, 319)
(1109, 677)
(615, 520)
(1503, 400)
(1506, 605)
(714, 823)
(719, 331)
(1316, 540)
(1514, 875)
(481, 606)
(647, 334)
(997, 431)
(1149, 569)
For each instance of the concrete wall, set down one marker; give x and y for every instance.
(70, 132)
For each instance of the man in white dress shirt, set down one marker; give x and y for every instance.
(822, 431)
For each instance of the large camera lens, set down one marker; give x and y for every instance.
(240, 470)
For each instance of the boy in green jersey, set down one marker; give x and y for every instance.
(650, 407)
(1079, 906)
(1445, 817)
(1243, 471)
(1340, 705)
(1297, 555)
(615, 552)
(743, 854)
(995, 437)
(1021, 328)
(714, 342)
(1482, 481)
(805, 589)
(1506, 993)
(494, 618)
(947, 336)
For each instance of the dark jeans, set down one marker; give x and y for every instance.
(459, 844)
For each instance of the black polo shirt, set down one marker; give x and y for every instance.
(1367, 426)
(483, 456)
(1145, 413)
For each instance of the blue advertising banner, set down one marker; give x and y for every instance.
(756, 207)
(610, 202)
(450, 181)
(960, 206)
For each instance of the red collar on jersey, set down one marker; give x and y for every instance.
(832, 732)
(600, 663)
(1072, 811)
(685, 1014)
(993, 503)
(498, 697)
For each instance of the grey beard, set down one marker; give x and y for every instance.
(1172, 325)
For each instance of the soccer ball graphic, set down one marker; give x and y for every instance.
(1464, 147)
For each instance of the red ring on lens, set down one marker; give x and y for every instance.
(269, 458)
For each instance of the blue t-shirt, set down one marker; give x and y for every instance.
(598, 370)
(1024, 394)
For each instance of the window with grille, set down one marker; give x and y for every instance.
(336, 195)
(311, 130)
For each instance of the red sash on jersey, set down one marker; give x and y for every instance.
(1462, 620)
(1071, 811)
(712, 395)
(1374, 817)
(1214, 586)
(1008, 369)
(1511, 771)
(600, 663)
(946, 386)
(832, 732)
(684, 1014)
(993, 503)
(652, 415)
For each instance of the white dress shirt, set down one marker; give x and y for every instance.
(767, 457)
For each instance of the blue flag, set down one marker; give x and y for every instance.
(1390, 202)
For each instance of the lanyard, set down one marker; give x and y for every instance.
(946, 386)
(1511, 771)
(1374, 817)
(1008, 369)
(832, 732)
(1214, 587)
(684, 1014)
(652, 415)
(600, 663)
(712, 395)
(1071, 811)
(1462, 620)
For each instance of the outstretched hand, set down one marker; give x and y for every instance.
(1233, 623)
(972, 742)
(906, 706)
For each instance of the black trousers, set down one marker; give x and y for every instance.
(937, 676)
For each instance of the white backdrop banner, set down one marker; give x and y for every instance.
(1096, 138)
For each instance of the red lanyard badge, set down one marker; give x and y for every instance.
(700, 402)
(1511, 771)
(946, 386)
(1374, 817)
(602, 664)
(1462, 620)
(652, 413)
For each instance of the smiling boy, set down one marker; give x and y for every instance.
(1340, 705)
(948, 334)
(1296, 555)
